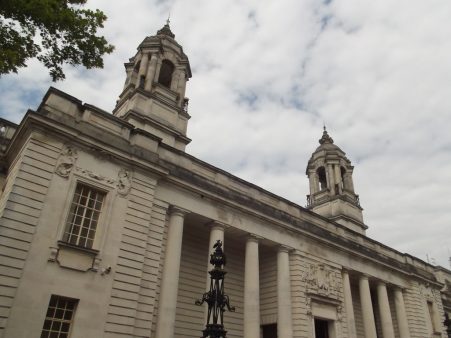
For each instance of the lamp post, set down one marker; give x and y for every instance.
(215, 298)
(447, 324)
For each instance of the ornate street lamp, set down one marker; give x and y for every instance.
(215, 298)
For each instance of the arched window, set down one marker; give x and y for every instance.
(321, 172)
(166, 70)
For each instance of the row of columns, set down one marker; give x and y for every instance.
(170, 281)
(369, 324)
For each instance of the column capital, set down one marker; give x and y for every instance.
(364, 276)
(253, 237)
(347, 270)
(217, 224)
(175, 210)
(284, 248)
(381, 283)
(398, 288)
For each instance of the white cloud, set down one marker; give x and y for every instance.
(267, 74)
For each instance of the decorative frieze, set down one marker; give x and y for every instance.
(322, 295)
(94, 175)
(123, 182)
(322, 281)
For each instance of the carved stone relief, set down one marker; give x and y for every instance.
(124, 182)
(91, 174)
(66, 161)
(426, 291)
(322, 287)
(321, 280)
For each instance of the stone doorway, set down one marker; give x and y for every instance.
(322, 328)
(269, 331)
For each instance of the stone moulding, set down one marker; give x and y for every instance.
(74, 257)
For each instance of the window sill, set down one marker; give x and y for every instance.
(74, 257)
(90, 251)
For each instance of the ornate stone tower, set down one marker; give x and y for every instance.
(153, 98)
(331, 188)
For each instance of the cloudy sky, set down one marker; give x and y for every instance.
(268, 74)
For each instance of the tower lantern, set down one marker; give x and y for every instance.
(153, 98)
(332, 192)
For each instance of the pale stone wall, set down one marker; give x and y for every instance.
(22, 201)
(299, 299)
(415, 311)
(131, 304)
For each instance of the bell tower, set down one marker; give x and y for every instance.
(331, 187)
(153, 98)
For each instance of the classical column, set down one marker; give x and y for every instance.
(350, 183)
(176, 75)
(349, 305)
(142, 69)
(157, 69)
(150, 76)
(401, 315)
(284, 317)
(367, 308)
(330, 176)
(251, 289)
(311, 177)
(181, 88)
(170, 276)
(316, 182)
(338, 179)
(384, 311)
(216, 233)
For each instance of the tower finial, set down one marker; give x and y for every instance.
(166, 30)
(325, 138)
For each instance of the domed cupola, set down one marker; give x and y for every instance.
(331, 187)
(153, 98)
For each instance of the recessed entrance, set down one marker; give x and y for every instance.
(269, 331)
(321, 328)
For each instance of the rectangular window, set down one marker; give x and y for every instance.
(83, 216)
(59, 318)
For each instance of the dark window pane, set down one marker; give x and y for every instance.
(47, 323)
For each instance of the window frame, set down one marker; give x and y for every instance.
(104, 217)
(74, 230)
(61, 320)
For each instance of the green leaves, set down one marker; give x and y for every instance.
(53, 31)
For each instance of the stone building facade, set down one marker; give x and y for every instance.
(106, 224)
